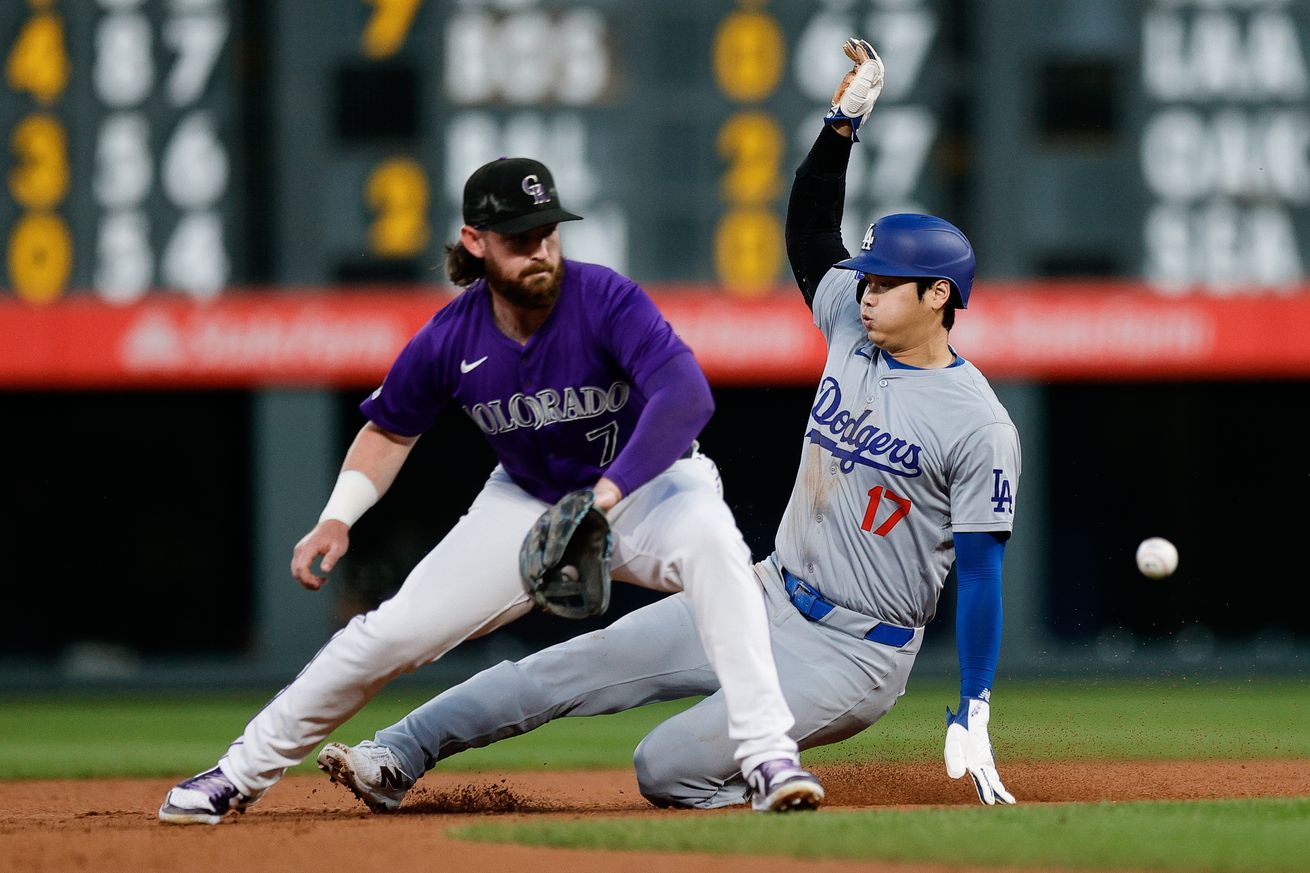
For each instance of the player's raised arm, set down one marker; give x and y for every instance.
(814, 211)
(371, 465)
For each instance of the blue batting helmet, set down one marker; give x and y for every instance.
(916, 247)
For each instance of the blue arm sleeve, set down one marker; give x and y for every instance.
(978, 609)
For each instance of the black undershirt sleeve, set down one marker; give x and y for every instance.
(814, 211)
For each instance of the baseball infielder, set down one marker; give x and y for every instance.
(577, 382)
(909, 464)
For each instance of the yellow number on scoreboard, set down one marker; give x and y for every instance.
(388, 26)
(749, 54)
(38, 61)
(752, 143)
(40, 178)
(398, 192)
(748, 249)
(40, 257)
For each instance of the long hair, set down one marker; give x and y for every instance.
(463, 268)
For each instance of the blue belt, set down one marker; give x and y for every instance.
(816, 607)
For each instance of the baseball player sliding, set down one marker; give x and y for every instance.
(909, 464)
(579, 384)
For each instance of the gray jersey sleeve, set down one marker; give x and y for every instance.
(984, 479)
(836, 311)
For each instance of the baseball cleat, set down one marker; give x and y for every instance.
(203, 799)
(370, 770)
(782, 785)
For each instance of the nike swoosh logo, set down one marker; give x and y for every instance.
(466, 367)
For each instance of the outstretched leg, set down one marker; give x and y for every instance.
(467, 586)
(648, 655)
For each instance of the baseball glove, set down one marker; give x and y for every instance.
(565, 559)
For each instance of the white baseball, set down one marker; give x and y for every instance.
(1157, 557)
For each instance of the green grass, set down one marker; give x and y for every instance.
(1145, 720)
(1234, 836)
(168, 735)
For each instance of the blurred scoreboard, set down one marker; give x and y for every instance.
(185, 147)
(1161, 139)
(122, 120)
(190, 145)
(673, 127)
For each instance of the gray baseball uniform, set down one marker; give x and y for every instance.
(894, 461)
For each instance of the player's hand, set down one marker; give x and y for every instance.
(329, 539)
(607, 494)
(859, 89)
(969, 750)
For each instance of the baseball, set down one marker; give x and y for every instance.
(1157, 557)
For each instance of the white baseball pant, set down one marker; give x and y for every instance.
(674, 533)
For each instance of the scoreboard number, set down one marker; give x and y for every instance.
(40, 256)
(39, 251)
(124, 70)
(40, 179)
(397, 192)
(38, 61)
(388, 27)
(749, 59)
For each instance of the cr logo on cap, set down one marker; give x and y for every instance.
(536, 189)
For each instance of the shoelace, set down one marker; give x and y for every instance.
(375, 753)
(771, 770)
(213, 784)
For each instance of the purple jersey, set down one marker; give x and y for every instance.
(557, 410)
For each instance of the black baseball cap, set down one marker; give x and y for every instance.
(511, 195)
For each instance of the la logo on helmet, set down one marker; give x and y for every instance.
(867, 243)
(532, 186)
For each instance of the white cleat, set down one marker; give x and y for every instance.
(371, 771)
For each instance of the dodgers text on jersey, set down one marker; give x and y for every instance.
(869, 446)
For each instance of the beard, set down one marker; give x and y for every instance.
(536, 288)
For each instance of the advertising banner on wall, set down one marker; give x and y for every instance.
(320, 338)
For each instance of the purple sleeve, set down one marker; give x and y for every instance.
(640, 339)
(412, 395)
(678, 404)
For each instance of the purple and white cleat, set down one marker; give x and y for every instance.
(782, 785)
(203, 799)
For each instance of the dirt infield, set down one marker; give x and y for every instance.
(308, 824)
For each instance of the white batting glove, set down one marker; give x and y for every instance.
(969, 750)
(859, 89)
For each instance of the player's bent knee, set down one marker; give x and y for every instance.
(654, 778)
(666, 778)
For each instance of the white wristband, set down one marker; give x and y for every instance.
(353, 495)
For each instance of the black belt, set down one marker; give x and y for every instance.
(814, 606)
